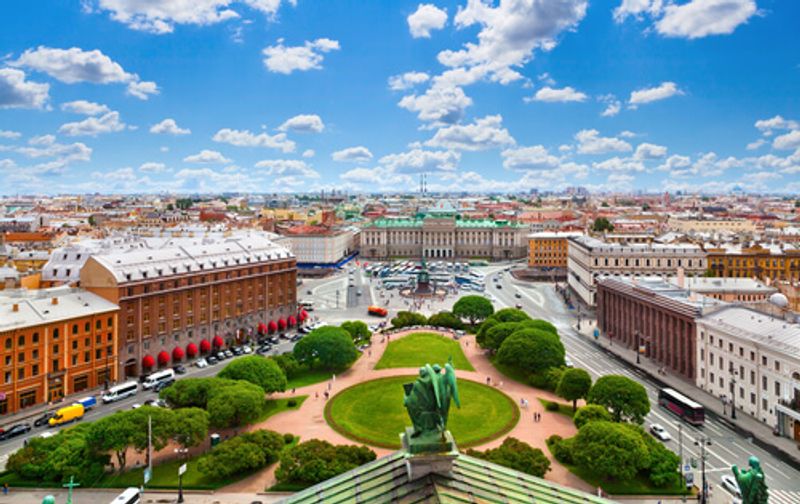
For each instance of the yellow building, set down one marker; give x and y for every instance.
(756, 262)
(548, 249)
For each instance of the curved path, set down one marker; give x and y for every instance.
(308, 421)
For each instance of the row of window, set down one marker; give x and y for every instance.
(34, 339)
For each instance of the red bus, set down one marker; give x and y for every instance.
(681, 406)
(377, 311)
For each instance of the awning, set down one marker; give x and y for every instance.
(191, 349)
(273, 326)
(292, 321)
(205, 346)
(282, 324)
(177, 354)
(303, 315)
(163, 358)
(218, 342)
(262, 328)
(148, 361)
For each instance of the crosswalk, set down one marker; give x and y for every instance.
(783, 496)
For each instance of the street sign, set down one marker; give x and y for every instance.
(2, 396)
(148, 473)
(642, 349)
(182, 470)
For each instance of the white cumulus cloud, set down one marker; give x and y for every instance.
(85, 108)
(535, 157)
(650, 151)
(244, 138)
(566, 94)
(288, 168)
(287, 59)
(207, 156)
(787, 141)
(648, 95)
(421, 161)
(304, 123)
(359, 154)
(93, 126)
(10, 135)
(590, 142)
(485, 133)
(427, 17)
(169, 127)
(152, 167)
(407, 80)
(17, 92)
(692, 19)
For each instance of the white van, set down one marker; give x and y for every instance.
(118, 392)
(168, 375)
(129, 496)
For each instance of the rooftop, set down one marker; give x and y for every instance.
(757, 327)
(35, 307)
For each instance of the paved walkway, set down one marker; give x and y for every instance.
(308, 421)
(99, 496)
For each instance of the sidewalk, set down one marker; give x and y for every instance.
(744, 424)
(93, 496)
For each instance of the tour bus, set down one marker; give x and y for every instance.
(129, 496)
(167, 375)
(681, 406)
(377, 311)
(122, 391)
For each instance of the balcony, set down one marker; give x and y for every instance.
(790, 408)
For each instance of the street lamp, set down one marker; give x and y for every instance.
(638, 345)
(733, 392)
(702, 441)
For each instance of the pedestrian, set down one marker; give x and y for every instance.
(334, 378)
(316, 396)
(293, 389)
(5, 488)
(501, 384)
(488, 380)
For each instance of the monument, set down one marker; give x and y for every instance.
(751, 482)
(427, 401)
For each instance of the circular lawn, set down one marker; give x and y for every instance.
(373, 413)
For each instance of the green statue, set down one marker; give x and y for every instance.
(751, 482)
(428, 399)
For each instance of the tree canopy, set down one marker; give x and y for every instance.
(242, 453)
(257, 370)
(445, 319)
(510, 315)
(313, 461)
(473, 308)
(531, 350)
(517, 455)
(610, 450)
(602, 224)
(625, 399)
(238, 404)
(357, 330)
(574, 384)
(590, 413)
(498, 333)
(329, 347)
(408, 319)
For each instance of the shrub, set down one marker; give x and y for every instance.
(551, 406)
(561, 448)
(313, 461)
(610, 450)
(245, 452)
(257, 370)
(408, 319)
(357, 329)
(288, 438)
(445, 319)
(531, 350)
(288, 364)
(590, 413)
(291, 403)
(517, 455)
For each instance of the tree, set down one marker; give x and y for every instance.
(245, 452)
(517, 455)
(256, 369)
(170, 207)
(575, 384)
(482, 335)
(189, 392)
(190, 426)
(473, 308)
(235, 405)
(92, 221)
(288, 364)
(498, 334)
(408, 319)
(626, 399)
(445, 319)
(510, 315)
(313, 461)
(542, 325)
(329, 347)
(113, 433)
(602, 224)
(357, 329)
(531, 350)
(646, 207)
(590, 413)
(610, 450)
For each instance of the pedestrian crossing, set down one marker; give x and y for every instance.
(783, 496)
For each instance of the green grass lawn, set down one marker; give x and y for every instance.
(308, 377)
(275, 406)
(564, 409)
(418, 349)
(373, 413)
(166, 476)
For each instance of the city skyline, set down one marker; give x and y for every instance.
(271, 96)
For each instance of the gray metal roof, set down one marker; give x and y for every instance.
(35, 307)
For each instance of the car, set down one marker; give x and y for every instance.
(517, 295)
(659, 432)
(274, 340)
(211, 360)
(201, 363)
(731, 486)
(237, 351)
(221, 355)
(162, 385)
(568, 362)
(228, 354)
(304, 330)
(264, 349)
(44, 419)
(297, 337)
(498, 286)
(15, 430)
(518, 306)
(246, 349)
(136, 406)
(156, 403)
(309, 292)
(179, 369)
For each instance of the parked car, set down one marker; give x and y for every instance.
(263, 349)
(731, 486)
(156, 403)
(136, 406)
(246, 349)
(228, 354)
(162, 385)
(297, 337)
(498, 286)
(221, 355)
(568, 362)
(179, 369)
(211, 360)
(201, 363)
(517, 295)
(15, 430)
(237, 351)
(659, 432)
(42, 420)
(274, 340)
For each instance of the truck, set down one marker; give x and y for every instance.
(67, 414)
(88, 402)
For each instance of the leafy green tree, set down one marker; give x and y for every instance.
(590, 413)
(408, 319)
(662, 462)
(235, 405)
(510, 315)
(625, 399)
(190, 392)
(531, 350)
(445, 319)
(547, 379)
(56, 458)
(602, 224)
(256, 369)
(113, 433)
(329, 347)
(610, 450)
(498, 334)
(357, 329)
(517, 455)
(245, 452)
(190, 426)
(163, 426)
(574, 384)
(313, 461)
(288, 364)
(482, 335)
(542, 325)
(473, 308)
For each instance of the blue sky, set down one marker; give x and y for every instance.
(291, 96)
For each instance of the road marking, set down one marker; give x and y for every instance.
(538, 302)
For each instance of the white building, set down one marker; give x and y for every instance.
(589, 258)
(752, 360)
(319, 246)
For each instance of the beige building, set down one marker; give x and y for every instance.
(692, 225)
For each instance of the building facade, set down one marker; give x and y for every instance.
(322, 246)
(55, 342)
(694, 225)
(589, 258)
(191, 294)
(780, 263)
(443, 238)
(752, 360)
(731, 290)
(548, 250)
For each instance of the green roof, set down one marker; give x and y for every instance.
(385, 480)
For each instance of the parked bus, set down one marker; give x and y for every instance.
(127, 389)
(129, 496)
(377, 311)
(167, 375)
(680, 405)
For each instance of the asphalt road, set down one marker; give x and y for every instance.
(541, 301)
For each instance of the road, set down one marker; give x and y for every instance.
(541, 301)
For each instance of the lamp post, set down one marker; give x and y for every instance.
(733, 392)
(181, 470)
(638, 344)
(702, 441)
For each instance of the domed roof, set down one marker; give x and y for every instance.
(779, 300)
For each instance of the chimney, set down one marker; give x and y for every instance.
(680, 277)
(15, 307)
(54, 301)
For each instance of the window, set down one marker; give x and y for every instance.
(764, 382)
(98, 324)
(752, 398)
(21, 373)
(74, 328)
(21, 357)
(87, 356)
(27, 399)
(21, 340)
(35, 338)
(35, 370)
(74, 360)
(763, 360)
(777, 389)
(110, 322)
(752, 377)
(55, 365)
(8, 377)
(9, 343)
(87, 327)
(777, 366)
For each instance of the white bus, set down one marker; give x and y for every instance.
(118, 392)
(154, 379)
(129, 496)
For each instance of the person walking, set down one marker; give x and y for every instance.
(5, 488)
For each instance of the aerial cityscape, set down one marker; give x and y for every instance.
(506, 251)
